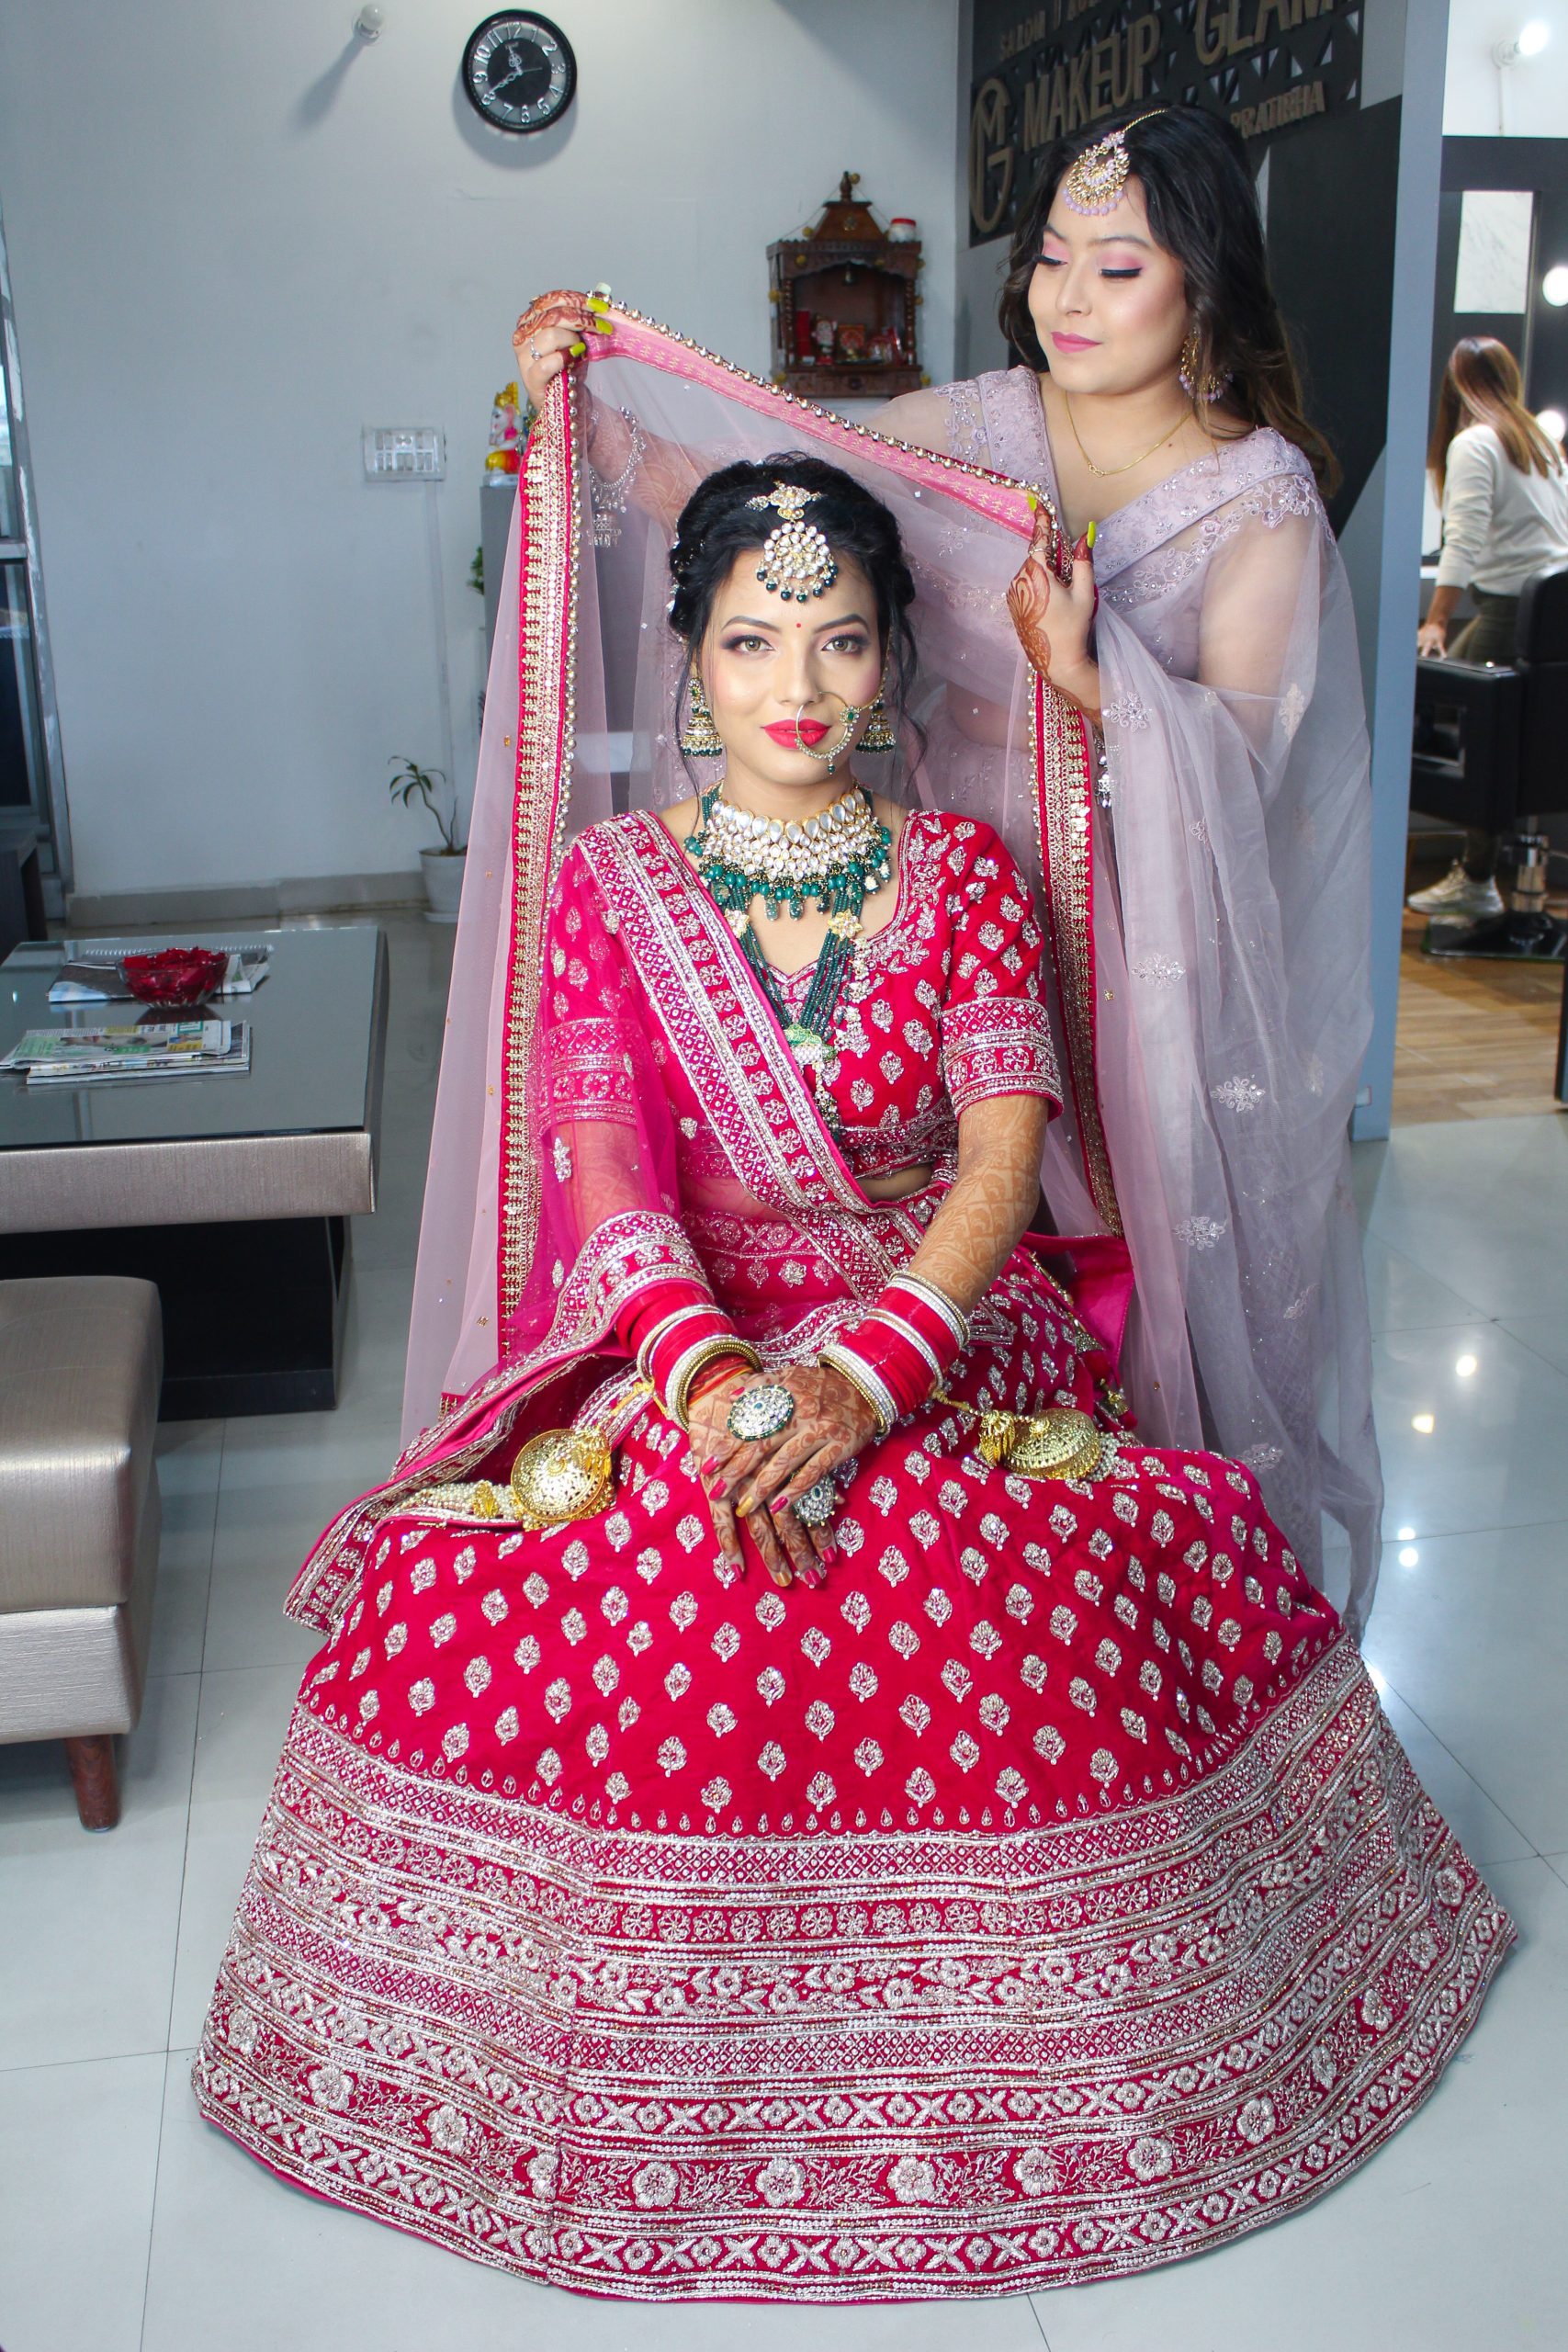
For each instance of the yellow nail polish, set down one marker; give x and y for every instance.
(1033, 502)
(577, 349)
(1092, 533)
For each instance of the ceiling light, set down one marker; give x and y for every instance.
(1407, 1535)
(1423, 1423)
(1553, 420)
(1554, 286)
(1410, 1558)
(1466, 1366)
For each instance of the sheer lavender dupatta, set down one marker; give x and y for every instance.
(1232, 932)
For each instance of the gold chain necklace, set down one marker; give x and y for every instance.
(1104, 472)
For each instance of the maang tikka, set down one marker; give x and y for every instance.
(797, 563)
(1093, 182)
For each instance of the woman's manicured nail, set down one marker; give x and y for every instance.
(577, 349)
(1033, 502)
(780, 1503)
(717, 1488)
(710, 1465)
(829, 1555)
(1091, 535)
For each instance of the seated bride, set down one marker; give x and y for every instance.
(795, 1798)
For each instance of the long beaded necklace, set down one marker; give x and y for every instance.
(837, 859)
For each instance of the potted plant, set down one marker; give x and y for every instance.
(442, 866)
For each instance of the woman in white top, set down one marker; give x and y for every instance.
(1504, 487)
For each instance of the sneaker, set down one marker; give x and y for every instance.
(1457, 897)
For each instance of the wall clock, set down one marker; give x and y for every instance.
(519, 71)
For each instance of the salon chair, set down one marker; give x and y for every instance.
(1492, 753)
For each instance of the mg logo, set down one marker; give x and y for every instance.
(990, 157)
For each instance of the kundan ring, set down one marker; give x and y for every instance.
(816, 1507)
(762, 1411)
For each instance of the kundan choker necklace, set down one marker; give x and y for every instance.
(837, 859)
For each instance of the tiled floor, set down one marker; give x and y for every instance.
(126, 2222)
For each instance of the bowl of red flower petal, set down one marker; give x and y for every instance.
(174, 975)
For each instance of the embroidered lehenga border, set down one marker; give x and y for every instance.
(859, 2067)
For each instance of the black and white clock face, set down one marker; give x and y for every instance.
(519, 70)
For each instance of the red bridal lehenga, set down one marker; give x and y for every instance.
(1042, 1898)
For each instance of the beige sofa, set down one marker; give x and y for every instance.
(80, 1362)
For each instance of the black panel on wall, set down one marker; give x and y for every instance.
(1331, 207)
(1541, 166)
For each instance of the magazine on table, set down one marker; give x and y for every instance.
(93, 972)
(150, 1050)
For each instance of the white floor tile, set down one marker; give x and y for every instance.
(239, 1740)
(78, 2158)
(187, 1474)
(286, 1477)
(1481, 1828)
(1545, 1335)
(1473, 1634)
(1471, 1426)
(87, 1952)
(1402, 1295)
(320, 2280)
(1449, 2238)
(1479, 1204)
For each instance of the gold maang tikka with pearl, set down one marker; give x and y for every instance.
(1093, 182)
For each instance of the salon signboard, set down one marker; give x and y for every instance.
(1039, 74)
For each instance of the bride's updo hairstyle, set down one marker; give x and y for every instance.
(717, 523)
(1202, 210)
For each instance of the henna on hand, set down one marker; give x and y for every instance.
(544, 338)
(992, 1200)
(1054, 620)
(707, 1417)
(832, 1423)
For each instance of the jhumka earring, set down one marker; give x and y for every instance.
(699, 738)
(879, 735)
(1093, 182)
(1196, 387)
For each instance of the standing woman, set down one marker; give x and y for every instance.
(1504, 489)
(1207, 637)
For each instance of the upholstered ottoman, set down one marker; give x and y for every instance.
(80, 1359)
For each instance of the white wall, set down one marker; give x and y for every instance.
(238, 235)
(1533, 95)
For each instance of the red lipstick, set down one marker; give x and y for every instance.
(1074, 341)
(790, 734)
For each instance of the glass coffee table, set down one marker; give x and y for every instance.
(230, 1193)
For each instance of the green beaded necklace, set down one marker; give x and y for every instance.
(811, 867)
